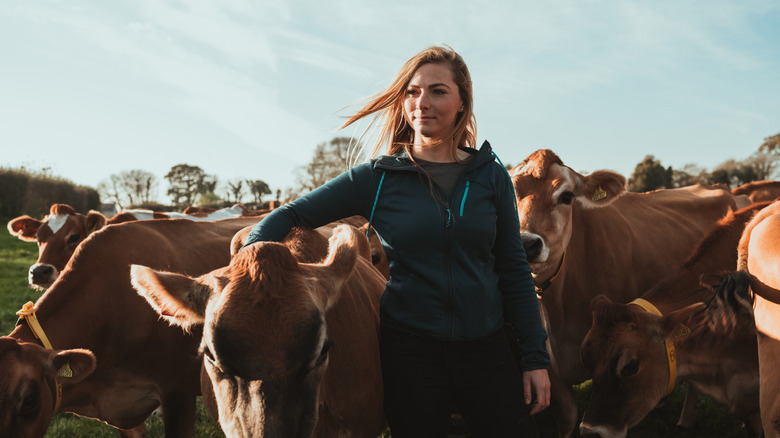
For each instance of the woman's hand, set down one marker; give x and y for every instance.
(536, 382)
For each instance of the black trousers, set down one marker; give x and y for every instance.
(425, 381)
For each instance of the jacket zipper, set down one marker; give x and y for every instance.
(448, 237)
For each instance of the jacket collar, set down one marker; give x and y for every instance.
(401, 161)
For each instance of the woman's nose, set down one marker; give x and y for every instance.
(423, 101)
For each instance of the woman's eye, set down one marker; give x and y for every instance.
(411, 92)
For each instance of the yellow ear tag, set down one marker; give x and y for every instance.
(65, 371)
(599, 195)
(682, 330)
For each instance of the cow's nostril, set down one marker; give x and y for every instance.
(41, 270)
(533, 247)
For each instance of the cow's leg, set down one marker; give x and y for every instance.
(688, 413)
(136, 432)
(179, 415)
(768, 358)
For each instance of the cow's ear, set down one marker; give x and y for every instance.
(343, 248)
(95, 221)
(237, 242)
(601, 188)
(598, 301)
(73, 366)
(24, 227)
(179, 299)
(678, 323)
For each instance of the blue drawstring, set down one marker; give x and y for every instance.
(376, 199)
(463, 202)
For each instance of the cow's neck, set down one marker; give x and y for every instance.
(714, 365)
(543, 284)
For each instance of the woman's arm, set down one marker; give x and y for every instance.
(348, 194)
(521, 306)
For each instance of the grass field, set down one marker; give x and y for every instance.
(16, 257)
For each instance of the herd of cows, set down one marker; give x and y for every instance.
(637, 291)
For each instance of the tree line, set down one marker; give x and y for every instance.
(763, 164)
(191, 185)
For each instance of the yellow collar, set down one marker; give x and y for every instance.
(671, 355)
(27, 313)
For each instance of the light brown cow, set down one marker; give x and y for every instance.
(759, 191)
(142, 362)
(637, 351)
(31, 379)
(585, 236)
(755, 291)
(291, 348)
(60, 232)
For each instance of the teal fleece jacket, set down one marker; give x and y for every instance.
(456, 270)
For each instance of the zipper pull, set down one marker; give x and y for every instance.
(449, 217)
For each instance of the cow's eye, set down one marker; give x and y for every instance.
(74, 238)
(210, 359)
(324, 352)
(631, 368)
(566, 197)
(30, 404)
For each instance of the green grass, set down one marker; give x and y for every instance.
(16, 257)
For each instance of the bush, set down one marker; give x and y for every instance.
(24, 192)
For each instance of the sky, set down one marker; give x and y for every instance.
(246, 89)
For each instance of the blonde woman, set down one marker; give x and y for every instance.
(446, 214)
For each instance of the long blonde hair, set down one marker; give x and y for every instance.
(387, 106)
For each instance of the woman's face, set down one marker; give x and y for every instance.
(432, 102)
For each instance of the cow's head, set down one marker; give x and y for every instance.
(626, 354)
(265, 341)
(29, 375)
(547, 191)
(57, 235)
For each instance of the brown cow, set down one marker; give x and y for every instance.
(585, 236)
(755, 291)
(142, 362)
(627, 353)
(60, 232)
(291, 348)
(759, 191)
(31, 379)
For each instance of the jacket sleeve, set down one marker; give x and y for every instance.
(346, 195)
(521, 306)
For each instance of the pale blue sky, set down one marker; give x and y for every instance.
(247, 89)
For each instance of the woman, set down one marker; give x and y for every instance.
(446, 215)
